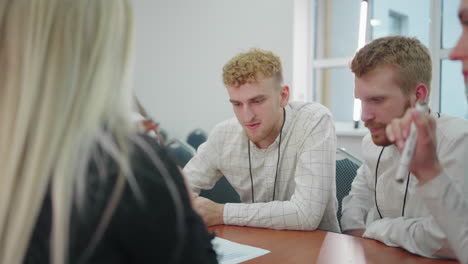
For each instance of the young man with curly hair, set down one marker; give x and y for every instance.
(278, 156)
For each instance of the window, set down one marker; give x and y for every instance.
(339, 95)
(398, 23)
(336, 28)
(336, 42)
(451, 29)
(410, 18)
(452, 99)
(336, 33)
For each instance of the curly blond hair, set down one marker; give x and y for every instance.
(408, 56)
(252, 67)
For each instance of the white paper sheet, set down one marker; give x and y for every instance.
(231, 253)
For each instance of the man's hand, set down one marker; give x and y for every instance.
(425, 164)
(212, 213)
(355, 232)
(192, 196)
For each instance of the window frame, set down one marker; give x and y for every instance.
(318, 63)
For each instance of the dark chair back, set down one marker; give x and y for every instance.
(222, 192)
(180, 152)
(163, 134)
(196, 138)
(346, 170)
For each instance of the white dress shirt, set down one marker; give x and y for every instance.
(305, 196)
(416, 231)
(449, 206)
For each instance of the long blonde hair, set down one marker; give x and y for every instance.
(64, 88)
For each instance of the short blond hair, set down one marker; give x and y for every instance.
(252, 67)
(408, 56)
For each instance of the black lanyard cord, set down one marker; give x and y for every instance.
(375, 187)
(277, 162)
(250, 170)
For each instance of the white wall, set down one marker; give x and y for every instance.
(182, 46)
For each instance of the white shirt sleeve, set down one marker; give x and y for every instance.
(449, 207)
(423, 236)
(420, 236)
(314, 185)
(356, 205)
(417, 235)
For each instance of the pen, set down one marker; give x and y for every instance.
(408, 150)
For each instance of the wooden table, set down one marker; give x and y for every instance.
(317, 247)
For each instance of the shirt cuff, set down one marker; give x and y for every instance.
(372, 231)
(378, 230)
(353, 219)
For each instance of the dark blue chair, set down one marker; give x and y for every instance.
(163, 134)
(196, 138)
(222, 192)
(179, 151)
(346, 170)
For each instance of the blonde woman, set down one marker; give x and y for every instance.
(77, 184)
